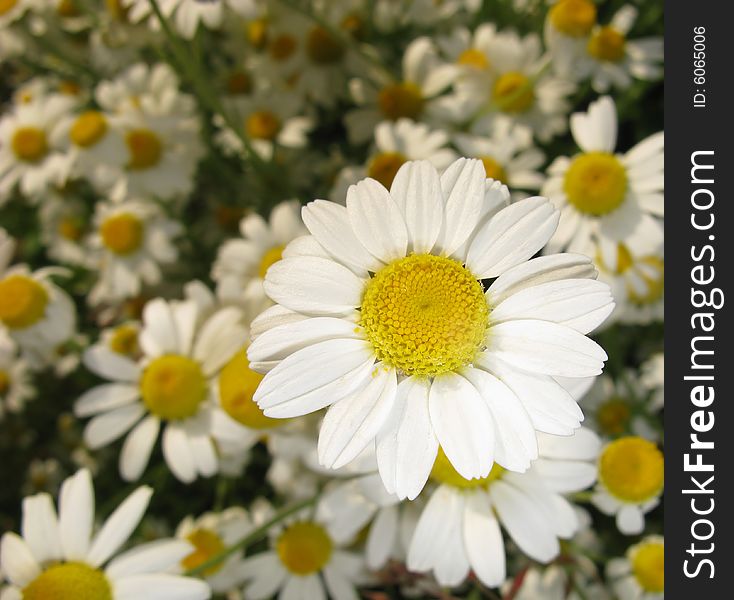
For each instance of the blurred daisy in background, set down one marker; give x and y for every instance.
(555, 583)
(16, 386)
(653, 379)
(64, 223)
(640, 575)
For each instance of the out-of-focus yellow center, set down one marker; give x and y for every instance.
(124, 340)
(272, 256)
(648, 566)
(207, 544)
(494, 169)
(257, 33)
(70, 228)
(237, 385)
(22, 301)
(322, 47)
(471, 57)
(144, 149)
(575, 18)
(425, 315)
(122, 233)
(398, 100)
(262, 125)
(652, 271)
(29, 143)
(304, 548)
(443, 472)
(69, 581)
(596, 183)
(513, 92)
(613, 416)
(88, 128)
(607, 44)
(6, 6)
(282, 47)
(239, 82)
(173, 386)
(632, 469)
(4, 381)
(384, 166)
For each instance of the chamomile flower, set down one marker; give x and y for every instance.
(64, 224)
(568, 25)
(459, 528)
(640, 575)
(603, 196)
(653, 379)
(58, 557)
(189, 14)
(131, 240)
(631, 475)
(384, 316)
(119, 340)
(170, 386)
(554, 582)
(15, 382)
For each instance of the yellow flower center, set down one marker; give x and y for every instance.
(513, 92)
(400, 100)
(29, 144)
(173, 386)
(237, 385)
(262, 125)
(425, 315)
(6, 6)
(124, 340)
(632, 469)
(648, 566)
(282, 47)
(322, 47)
(257, 33)
(607, 44)
(70, 88)
(613, 416)
(304, 548)
(69, 581)
(88, 128)
(122, 233)
(22, 301)
(596, 183)
(67, 8)
(494, 169)
(653, 273)
(144, 149)
(443, 472)
(272, 256)
(575, 18)
(239, 82)
(473, 58)
(4, 381)
(383, 167)
(207, 545)
(70, 228)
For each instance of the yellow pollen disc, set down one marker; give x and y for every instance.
(473, 58)
(443, 472)
(207, 545)
(425, 315)
(596, 183)
(70, 228)
(513, 92)
(239, 82)
(575, 18)
(383, 167)
(653, 273)
(322, 47)
(124, 340)
(613, 416)
(237, 385)
(88, 129)
(4, 382)
(257, 33)
(70, 88)
(632, 469)
(29, 144)
(144, 148)
(400, 100)
(67, 8)
(354, 26)
(6, 6)
(262, 125)
(282, 47)
(648, 566)
(22, 301)
(493, 169)
(173, 386)
(272, 256)
(607, 44)
(122, 233)
(69, 581)
(304, 548)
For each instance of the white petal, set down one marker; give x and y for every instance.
(40, 528)
(106, 428)
(630, 520)
(220, 338)
(483, 540)
(138, 445)
(103, 398)
(110, 365)
(19, 564)
(160, 587)
(338, 585)
(159, 334)
(153, 557)
(463, 185)
(382, 537)
(177, 453)
(596, 131)
(266, 573)
(76, 515)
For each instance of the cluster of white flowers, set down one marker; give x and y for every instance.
(360, 266)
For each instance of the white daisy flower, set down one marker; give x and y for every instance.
(210, 535)
(391, 14)
(119, 340)
(58, 557)
(653, 379)
(606, 197)
(631, 474)
(123, 93)
(16, 386)
(641, 574)
(170, 384)
(567, 27)
(64, 223)
(382, 313)
(459, 528)
(131, 240)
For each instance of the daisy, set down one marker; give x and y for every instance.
(567, 27)
(64, 224)
(58, 557)
(15, 382)
(631, 474)
(459, 528)
(555, 583)
(387, 319)
(131, 239)
(603, 196)
(119, 340)
(641, 574)
(171, 384)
